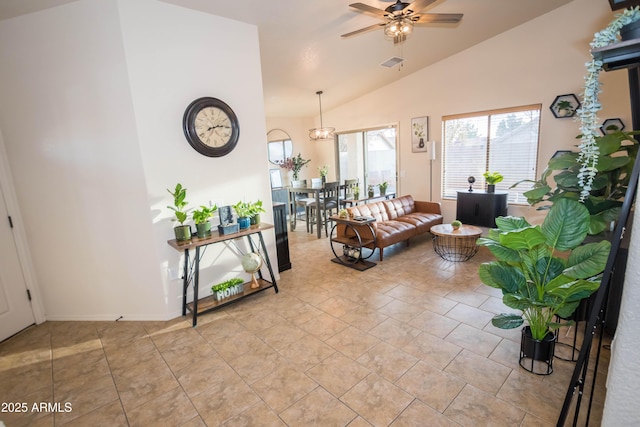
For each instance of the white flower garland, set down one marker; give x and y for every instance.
(587, 113)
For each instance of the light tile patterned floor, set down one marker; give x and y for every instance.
(406, 343)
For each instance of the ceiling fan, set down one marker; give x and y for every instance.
(400, 17)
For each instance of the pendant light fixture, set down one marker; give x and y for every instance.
(322, 132)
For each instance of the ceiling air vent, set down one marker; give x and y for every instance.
(392, 62)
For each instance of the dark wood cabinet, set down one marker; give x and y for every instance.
(481, 208)
(280, 195)
(282, 238)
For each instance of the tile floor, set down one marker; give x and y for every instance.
(406, 343)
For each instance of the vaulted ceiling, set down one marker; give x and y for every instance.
(302, 51)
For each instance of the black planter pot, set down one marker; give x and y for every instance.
(491, 188)
(536, 356)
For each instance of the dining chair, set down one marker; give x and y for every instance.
(349, 191)
(328, 203)
(302, 200)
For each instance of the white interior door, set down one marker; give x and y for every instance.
(16, 312)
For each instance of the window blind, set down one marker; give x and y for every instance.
(504, 141)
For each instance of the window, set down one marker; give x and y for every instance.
(504, 141)
(368, 155)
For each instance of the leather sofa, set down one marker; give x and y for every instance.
(397, 220)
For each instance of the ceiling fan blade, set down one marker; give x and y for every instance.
(362, 30)
(369, 9)
(418, 5)
(438, 18)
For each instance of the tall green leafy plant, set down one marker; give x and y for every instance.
(561, 179)
(543, 270)
(179, 203)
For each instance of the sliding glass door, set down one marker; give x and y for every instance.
(370, 156)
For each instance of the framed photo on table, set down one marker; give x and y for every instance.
(419, 134)
(276, 178)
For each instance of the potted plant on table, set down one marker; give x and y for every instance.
(492, 179)
(182, 231)
(256, 208)
(542, 271)
(383, 187)
(201, 219)
(293, 164)
(243, 210)
(370, 191)
(356, 192)
(324, 171)
(455, 224)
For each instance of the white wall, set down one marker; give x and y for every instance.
(91, 101)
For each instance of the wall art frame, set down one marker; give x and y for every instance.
(419, 134)
(609, 124)
(564, 106)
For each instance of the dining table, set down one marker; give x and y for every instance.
(294, 191)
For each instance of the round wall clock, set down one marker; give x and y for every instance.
(211, 127)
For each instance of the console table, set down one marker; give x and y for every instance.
(191, 272)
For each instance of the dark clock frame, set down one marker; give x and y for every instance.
(188, 126)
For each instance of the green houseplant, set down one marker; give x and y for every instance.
(182, 231)
(617, 153)
(201, 219)
(370, 191)
(227, 288)
(543, 270)
(256, 208)
(492, 178)
(455, 224)
(243, 210)
(383, 187)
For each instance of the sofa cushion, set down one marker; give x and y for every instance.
(399, 206)
(421, 220)
(376, 210)
(391, 232)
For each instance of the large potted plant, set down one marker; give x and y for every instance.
(617, 153)
(182, 231)
(201, 219)
(542, 271)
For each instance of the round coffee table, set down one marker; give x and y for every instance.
(455, 245)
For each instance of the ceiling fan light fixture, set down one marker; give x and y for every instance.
(398, 27)
(321, 133)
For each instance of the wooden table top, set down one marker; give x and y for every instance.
(463, 231)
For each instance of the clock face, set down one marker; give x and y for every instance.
(211, 127)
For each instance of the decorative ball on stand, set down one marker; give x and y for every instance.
(251, 263)
(471, 180)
